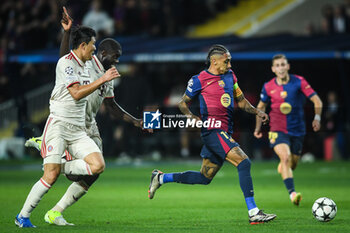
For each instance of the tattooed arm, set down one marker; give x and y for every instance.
(244, 104)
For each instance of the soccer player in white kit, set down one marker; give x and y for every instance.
(65, 127)
(109, 52)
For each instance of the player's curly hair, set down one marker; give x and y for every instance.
(215, 49)
(81, 34)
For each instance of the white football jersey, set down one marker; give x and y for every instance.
(69, 71)
(95, 99)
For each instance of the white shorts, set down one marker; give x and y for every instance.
(93, 132)
(60, 136)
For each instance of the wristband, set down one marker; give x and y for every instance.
(317, 117)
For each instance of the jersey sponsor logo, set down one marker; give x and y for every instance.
(209, 82)
(285, 108)
(49, 148)
(307, 87)
(273, 91)
(68, 70)
(283, 94)
(225, 100)
(221, 83)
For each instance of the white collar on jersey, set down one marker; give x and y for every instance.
(80, 62)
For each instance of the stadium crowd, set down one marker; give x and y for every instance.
(33, 24)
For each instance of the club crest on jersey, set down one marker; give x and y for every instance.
(221, 83)
(225, 100)
(69, 70)
(283, 94)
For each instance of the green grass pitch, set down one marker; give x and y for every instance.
(118, 201)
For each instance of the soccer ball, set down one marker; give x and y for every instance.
(324, 209)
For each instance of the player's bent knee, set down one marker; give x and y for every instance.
(51, 176)
(51, 173)
(97, 169)
(285, 160)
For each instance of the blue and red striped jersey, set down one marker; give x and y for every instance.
(215, 93)
(287, 104)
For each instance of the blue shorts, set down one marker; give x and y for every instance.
(295, 142)
(217, 143)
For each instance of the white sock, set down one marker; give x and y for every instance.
(291, 195)
(77, 167)
(72, 195)
(161, 178)
(36, 193)
(253, 211)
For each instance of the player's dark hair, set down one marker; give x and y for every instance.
(110, 46)
(81, 34)
(215, 49)
(279, 56)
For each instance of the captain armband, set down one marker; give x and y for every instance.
(236, 90)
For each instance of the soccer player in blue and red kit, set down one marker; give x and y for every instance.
(216, 88)
(286, 93)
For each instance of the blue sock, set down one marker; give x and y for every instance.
(289, 183)
(190, 177)
(168, 177)
(246, 183)
(250, 202)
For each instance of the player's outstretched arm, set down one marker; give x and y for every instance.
(318, 105)
(66, 23)
(257, 132)
(183, 106)
(118, 111)
(78, 91)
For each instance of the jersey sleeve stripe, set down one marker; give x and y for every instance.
(72, 84)
(109, 97)
(312, 95)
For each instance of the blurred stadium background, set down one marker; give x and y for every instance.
(165, 43)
